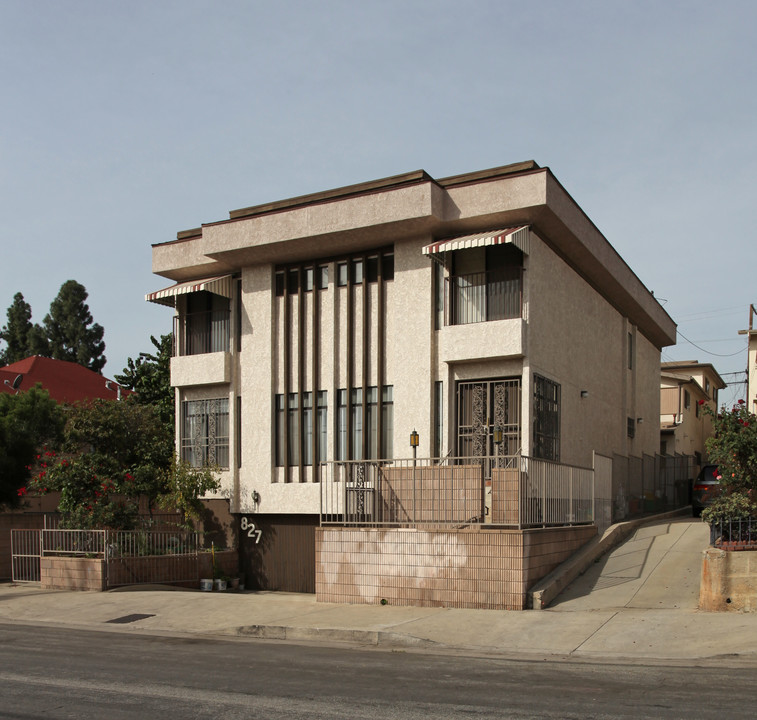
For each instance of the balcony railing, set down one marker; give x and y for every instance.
(201, 332)
(484, 296)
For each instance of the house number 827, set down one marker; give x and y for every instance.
(251, 530)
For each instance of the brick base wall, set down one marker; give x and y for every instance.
(471, 568)
(72, 573)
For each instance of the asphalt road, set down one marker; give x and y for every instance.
(62, 673)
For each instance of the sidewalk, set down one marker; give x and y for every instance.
(635, 604)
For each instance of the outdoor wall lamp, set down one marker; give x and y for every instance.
(414, 439)
(639, 420)
(255, 497)
(584, 393)
(497, 435)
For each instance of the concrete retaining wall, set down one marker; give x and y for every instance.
(487, 568)
(729, 580)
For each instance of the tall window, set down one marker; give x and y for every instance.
(376, 447)
(300, 428)
(205, 432)
(546, 419)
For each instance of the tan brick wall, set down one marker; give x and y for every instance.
(72, 573)
(471, 568)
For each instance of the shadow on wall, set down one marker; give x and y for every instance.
(218, 526)
(256, 546)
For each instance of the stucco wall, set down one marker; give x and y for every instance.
(577, 339)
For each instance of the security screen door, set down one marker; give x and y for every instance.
(483, 405)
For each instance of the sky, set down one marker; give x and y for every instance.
(123, 123)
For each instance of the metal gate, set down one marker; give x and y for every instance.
(483, 407)
(26, 549)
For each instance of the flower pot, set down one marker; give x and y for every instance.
(234, 584)
(220, 585)
(206, 584)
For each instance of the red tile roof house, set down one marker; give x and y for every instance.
(66, 382)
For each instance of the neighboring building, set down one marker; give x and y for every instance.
(751, 333)
(329, 327)
(685, 387)
(66, 382)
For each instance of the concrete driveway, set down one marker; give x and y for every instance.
(657, 568)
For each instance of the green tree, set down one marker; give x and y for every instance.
(70, 332)
(22, 338)
(184, 486)
(30, 425)
(150, 377)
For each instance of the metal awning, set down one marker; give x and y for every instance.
(220, 285)
(518, 236)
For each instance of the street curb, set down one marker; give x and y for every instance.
(379, 638)
(548, 588)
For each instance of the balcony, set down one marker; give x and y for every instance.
(201, 349)
(483, 296)
(201, 332)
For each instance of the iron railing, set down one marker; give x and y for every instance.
(479, 297)
(734, 534)
(505, 491)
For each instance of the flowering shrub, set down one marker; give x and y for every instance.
(733, 448)
(92, 494)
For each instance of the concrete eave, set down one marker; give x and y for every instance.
(361, 217)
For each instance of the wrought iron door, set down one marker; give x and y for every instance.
(481, 407)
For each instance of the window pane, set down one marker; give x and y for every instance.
(322, 425)
(357, 272)
(307, 430)
(356, 400)
(341, 425)
(387, 266)
(387, 422)
(293, 454)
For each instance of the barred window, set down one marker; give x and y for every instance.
(546, 419)
(205, 432)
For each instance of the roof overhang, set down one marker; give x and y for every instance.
(220, 285)
(518, 236)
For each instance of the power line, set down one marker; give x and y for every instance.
(738, 352)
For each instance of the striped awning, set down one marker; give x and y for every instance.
(518, 236)
(220, 285)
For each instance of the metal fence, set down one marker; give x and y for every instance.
(507, 491)
(734, 534)
(135, 556)
(650, 483)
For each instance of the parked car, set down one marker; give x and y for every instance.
(706, 489)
